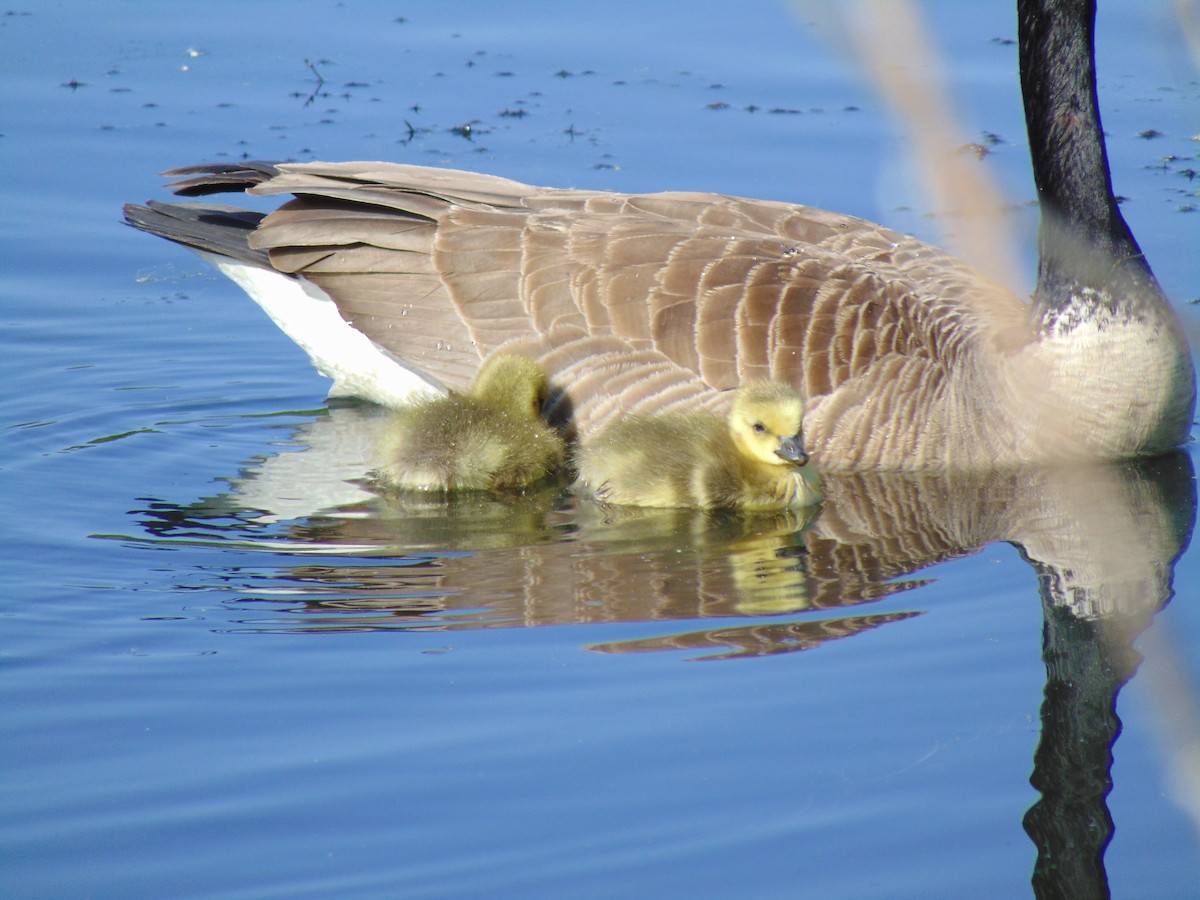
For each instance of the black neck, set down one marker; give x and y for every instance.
(1084, 242)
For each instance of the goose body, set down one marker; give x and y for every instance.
(752, 460)
(491, 439)
(907, 356)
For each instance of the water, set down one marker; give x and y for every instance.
(230, 671)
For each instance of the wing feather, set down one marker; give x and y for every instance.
(661, 300)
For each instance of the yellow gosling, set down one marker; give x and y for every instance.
(491, 439)
(755, 460)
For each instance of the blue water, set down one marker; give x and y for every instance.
(230, 671)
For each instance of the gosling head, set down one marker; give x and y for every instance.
(765, 423)
(512, 383)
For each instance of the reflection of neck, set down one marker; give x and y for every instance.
(1087, 662)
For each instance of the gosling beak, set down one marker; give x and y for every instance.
(791, 449)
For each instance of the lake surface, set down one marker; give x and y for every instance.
(231, 671)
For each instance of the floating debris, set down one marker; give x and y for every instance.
(413, 131)
(467, 130)
(316, 91)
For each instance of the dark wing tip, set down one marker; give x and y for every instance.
(215, 228)
(220, 178)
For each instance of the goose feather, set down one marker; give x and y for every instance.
(906, 356)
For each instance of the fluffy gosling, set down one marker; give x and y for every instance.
(493, 439)
(754, 461)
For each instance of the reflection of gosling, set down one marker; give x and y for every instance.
(754, 461)
(491, 439)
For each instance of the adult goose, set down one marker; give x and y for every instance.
(400, 279)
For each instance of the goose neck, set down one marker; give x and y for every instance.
(1084, 244)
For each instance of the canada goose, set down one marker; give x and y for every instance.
(399, 279)
(753, 460)
(491, 439)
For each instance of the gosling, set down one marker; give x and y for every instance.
(493, 439)
(754, 461)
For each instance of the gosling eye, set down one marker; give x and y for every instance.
(760, 428)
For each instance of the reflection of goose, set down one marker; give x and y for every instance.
(753, 460)
(1102, 538)
(398, 278)
(491, 439)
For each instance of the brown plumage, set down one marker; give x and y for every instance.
(906, 356)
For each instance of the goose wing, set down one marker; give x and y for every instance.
(702, 291)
